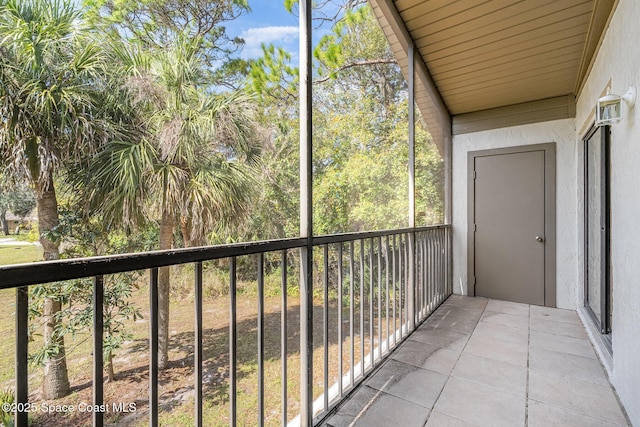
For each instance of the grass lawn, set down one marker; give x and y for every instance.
(19, 254)
(176, 382)
(11, 255)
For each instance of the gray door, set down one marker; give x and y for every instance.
(509, 216)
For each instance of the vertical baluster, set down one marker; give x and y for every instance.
(197, 354)
(430, 272)
(408, 292)
(260, 339)
(283, 336)
(401, 268)
(440, 275)
(425, 273)
(419, 266)
(22, 353)
(340, 292)
(379, 297)
(98, 355)
(153, 360)
(386, 273)
(325, 326)
(351, 314)
(432, 262)
(393, 280)
(450, 260)
(233, 342)
(371, 314)
(362, 305)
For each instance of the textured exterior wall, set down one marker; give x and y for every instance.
(562, 132)
(618, 61)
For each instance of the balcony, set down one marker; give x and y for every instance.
(480, 362)
(368, 292)
(367, 330)
(407, 352)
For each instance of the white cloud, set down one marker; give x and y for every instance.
(254, 37)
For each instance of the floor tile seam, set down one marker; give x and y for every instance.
(562, 335)
(573, 377)
(495, 360)
(434, 345)
(524, 345)
(520, 329)
(399, 398)
(439, 316)
(437, 399)
(414, 366)
(564, 352)
(464, 307)
(454, 417)
(511, 341)
(446, 316)
(523, 316)
(574, 411)
(494, 388)
(565, 322)
(561, 353)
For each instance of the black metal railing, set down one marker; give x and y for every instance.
(371, 290)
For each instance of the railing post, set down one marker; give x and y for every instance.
(198, 345)
(22, 345)
(98, 349)
(412, 192)
(306, 217)
(153, 347)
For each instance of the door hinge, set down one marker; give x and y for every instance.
(474, 174)
(475, 227)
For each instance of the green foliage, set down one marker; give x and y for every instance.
(89, 237)
(6, 417)
(273, 76)
(361, 134)
(16, 197)
(195, 162)
(158, 23)
(47, 57)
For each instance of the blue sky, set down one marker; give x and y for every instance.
(268, 22)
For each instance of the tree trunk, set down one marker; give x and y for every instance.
(5, 224)
(56, 378)
(111, 376)
(164, 286)
(185, 229)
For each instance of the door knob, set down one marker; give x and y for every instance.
(539, 239)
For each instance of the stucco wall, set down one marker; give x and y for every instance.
(562, 132)
(618, 61)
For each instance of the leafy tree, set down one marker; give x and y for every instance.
(361, 118)
(360, 127)
(54, 97)
(86, 237)
(157, 24)
(15, 197)
(194, 168)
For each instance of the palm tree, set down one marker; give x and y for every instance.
(193, 170)
(51, 112)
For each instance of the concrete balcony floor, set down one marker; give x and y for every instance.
(480, 362)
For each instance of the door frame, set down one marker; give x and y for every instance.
(549, 214)
(604, 323)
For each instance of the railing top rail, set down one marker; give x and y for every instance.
(346, 237)
(53, 271)
(76, 268)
